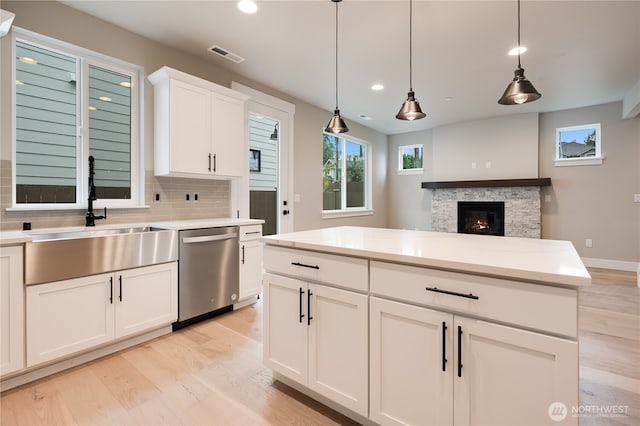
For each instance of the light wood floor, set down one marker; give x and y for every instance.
(212, 374)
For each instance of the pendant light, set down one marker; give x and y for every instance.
(410, 109)
(520, 90)
(336, 124)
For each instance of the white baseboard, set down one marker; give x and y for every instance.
(619, 265)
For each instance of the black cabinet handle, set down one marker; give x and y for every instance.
(305, 265)
(111, 290)
(452, 293)
(120, 280)
(250, 233)
(209, 161)
(243, 254)
(444, 346)
(301, 314)
(309, 317)
(214, 162)
(459, 351)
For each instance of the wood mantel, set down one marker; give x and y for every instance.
(486, 183)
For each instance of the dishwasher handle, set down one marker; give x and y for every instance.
(206, 238)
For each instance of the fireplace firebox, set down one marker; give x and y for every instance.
(481, 217)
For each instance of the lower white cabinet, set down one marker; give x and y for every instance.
(318, 336)
(11, 310)
(250, 261)
(431, 368)
(70, 316)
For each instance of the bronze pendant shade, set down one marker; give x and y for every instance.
(520, 90)
(336, 124)
(410, 109)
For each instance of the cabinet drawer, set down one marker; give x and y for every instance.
(250, 232)
(539, 307)
(342, 271)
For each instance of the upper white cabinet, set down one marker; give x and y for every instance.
(11, 310)
(199, 127)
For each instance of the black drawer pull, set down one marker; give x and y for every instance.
(254, 232)
(305, 265)
(452, 293)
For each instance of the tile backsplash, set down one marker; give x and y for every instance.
(214, 200)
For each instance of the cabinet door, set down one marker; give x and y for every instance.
(11, 310)
(190, 128)
(338, 346)
(69, 316)
(285, 327)
(411, 364)
(146, 298)
(229, 136)
(510, 376)
(250, 269)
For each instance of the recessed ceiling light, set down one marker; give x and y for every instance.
(27, 60)
(377, 87)
(105, 98)
(247, 6)
(448, 98)
(365, 117)
(517, 50)
(125, 84)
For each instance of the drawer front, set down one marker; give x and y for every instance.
(250, 232)
(342, 271)
(539, 307)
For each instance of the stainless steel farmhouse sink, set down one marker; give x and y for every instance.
(62, 255)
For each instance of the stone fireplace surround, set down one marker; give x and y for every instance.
(521, 203)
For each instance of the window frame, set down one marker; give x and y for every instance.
(367, 209)
(596, 159)
(86, 58)
(414, 171)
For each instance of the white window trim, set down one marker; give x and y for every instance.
(367, 210)
(414, 171)
(596, 160)
(137, 128)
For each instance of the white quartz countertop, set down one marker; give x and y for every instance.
(20, 237)
(547, 261)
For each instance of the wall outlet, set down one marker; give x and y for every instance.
(487, 164)
(187, 197)
(636, 198)
(474, 165)
(547, 198)
(195, 197)
(588, 242)
(156, 198)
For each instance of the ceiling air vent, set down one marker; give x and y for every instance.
(215, 49)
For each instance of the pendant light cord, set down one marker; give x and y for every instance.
(410, 46)
(519, 66)
(336, 55)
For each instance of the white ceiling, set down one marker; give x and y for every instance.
(580, 52)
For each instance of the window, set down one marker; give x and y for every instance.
(70, 104)
(578, 145)
(410, 158)
(346, 174)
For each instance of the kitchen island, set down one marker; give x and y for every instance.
(410, 327)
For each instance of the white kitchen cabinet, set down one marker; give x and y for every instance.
(11, 310)
(66, 317)
(471, 366)
(147, 297)
(199, 127)
(411, 360)
(250, 261)
(316, 335)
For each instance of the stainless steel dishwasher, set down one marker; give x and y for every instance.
(208, 270)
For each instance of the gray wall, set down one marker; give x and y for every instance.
(66, 24)
(594, 202)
